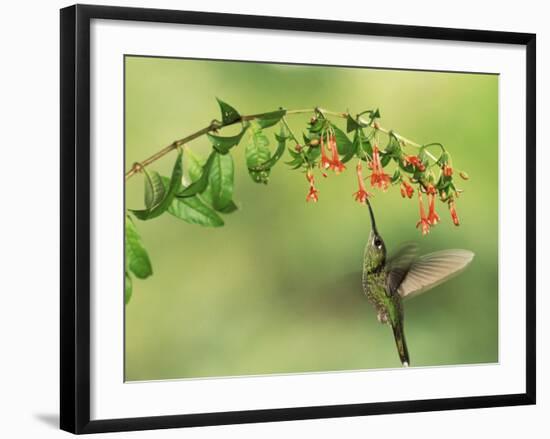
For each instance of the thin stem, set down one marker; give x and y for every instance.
(285, 123)
(332, 113)
(303, 111)
(174, 145)
(216, 125)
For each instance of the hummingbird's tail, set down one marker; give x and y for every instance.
(401, 344)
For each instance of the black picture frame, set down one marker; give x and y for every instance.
(75, 217)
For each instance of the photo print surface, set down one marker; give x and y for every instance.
(289, 219)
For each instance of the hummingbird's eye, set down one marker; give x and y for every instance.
(378, 242)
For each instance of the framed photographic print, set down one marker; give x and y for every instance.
(268, 218)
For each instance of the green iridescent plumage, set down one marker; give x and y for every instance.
(387, 281)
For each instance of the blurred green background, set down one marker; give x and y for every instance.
(269, 292)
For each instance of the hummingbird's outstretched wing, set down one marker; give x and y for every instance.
(432, 269)
(399, 264)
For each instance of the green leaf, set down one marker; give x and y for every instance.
(313, 153)
(230, 208)
(364, 146)
(154, 189)
(392, 151)
(127, 287)
(169, 193)
(342, 141)
(353, 150)
(257, 152)
(443, 159)
(296, 162)
(351, 124)
(269, 119)
(137, 258)
(195, 169)
(201, 183)
(393, 147)
(219, 178)
(220, 181)
(375, 114)
(194, 165)
(317, 126)
(224, 144)
(423, 156)
(396, 176)
(229, 114)
(297, 159)
(385, 159)
(267, 165)
(444, 182)
(192, 208)
(195, 211)
(293, 153)
(417, 175)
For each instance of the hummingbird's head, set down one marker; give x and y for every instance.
(376, 249)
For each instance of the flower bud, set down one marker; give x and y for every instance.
(463, 175)
(454, 215)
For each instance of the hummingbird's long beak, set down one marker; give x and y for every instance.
(373, 222)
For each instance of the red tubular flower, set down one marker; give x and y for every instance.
(361, 195)
(336, 165)
(406, 189)
(423, 223)
(325, 161)
(454, 216)
(376, 164)
(447, 170)
(433, 217)
(378, 178)
(313, 193)
(415, 161)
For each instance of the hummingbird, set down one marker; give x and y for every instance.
(387, 281)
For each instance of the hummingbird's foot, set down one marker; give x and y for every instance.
(382, 317)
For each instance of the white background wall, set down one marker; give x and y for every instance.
(29, 249)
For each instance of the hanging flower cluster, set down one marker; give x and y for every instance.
(328, 148)
(361, 195)
(378, 179)
(334, 162)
